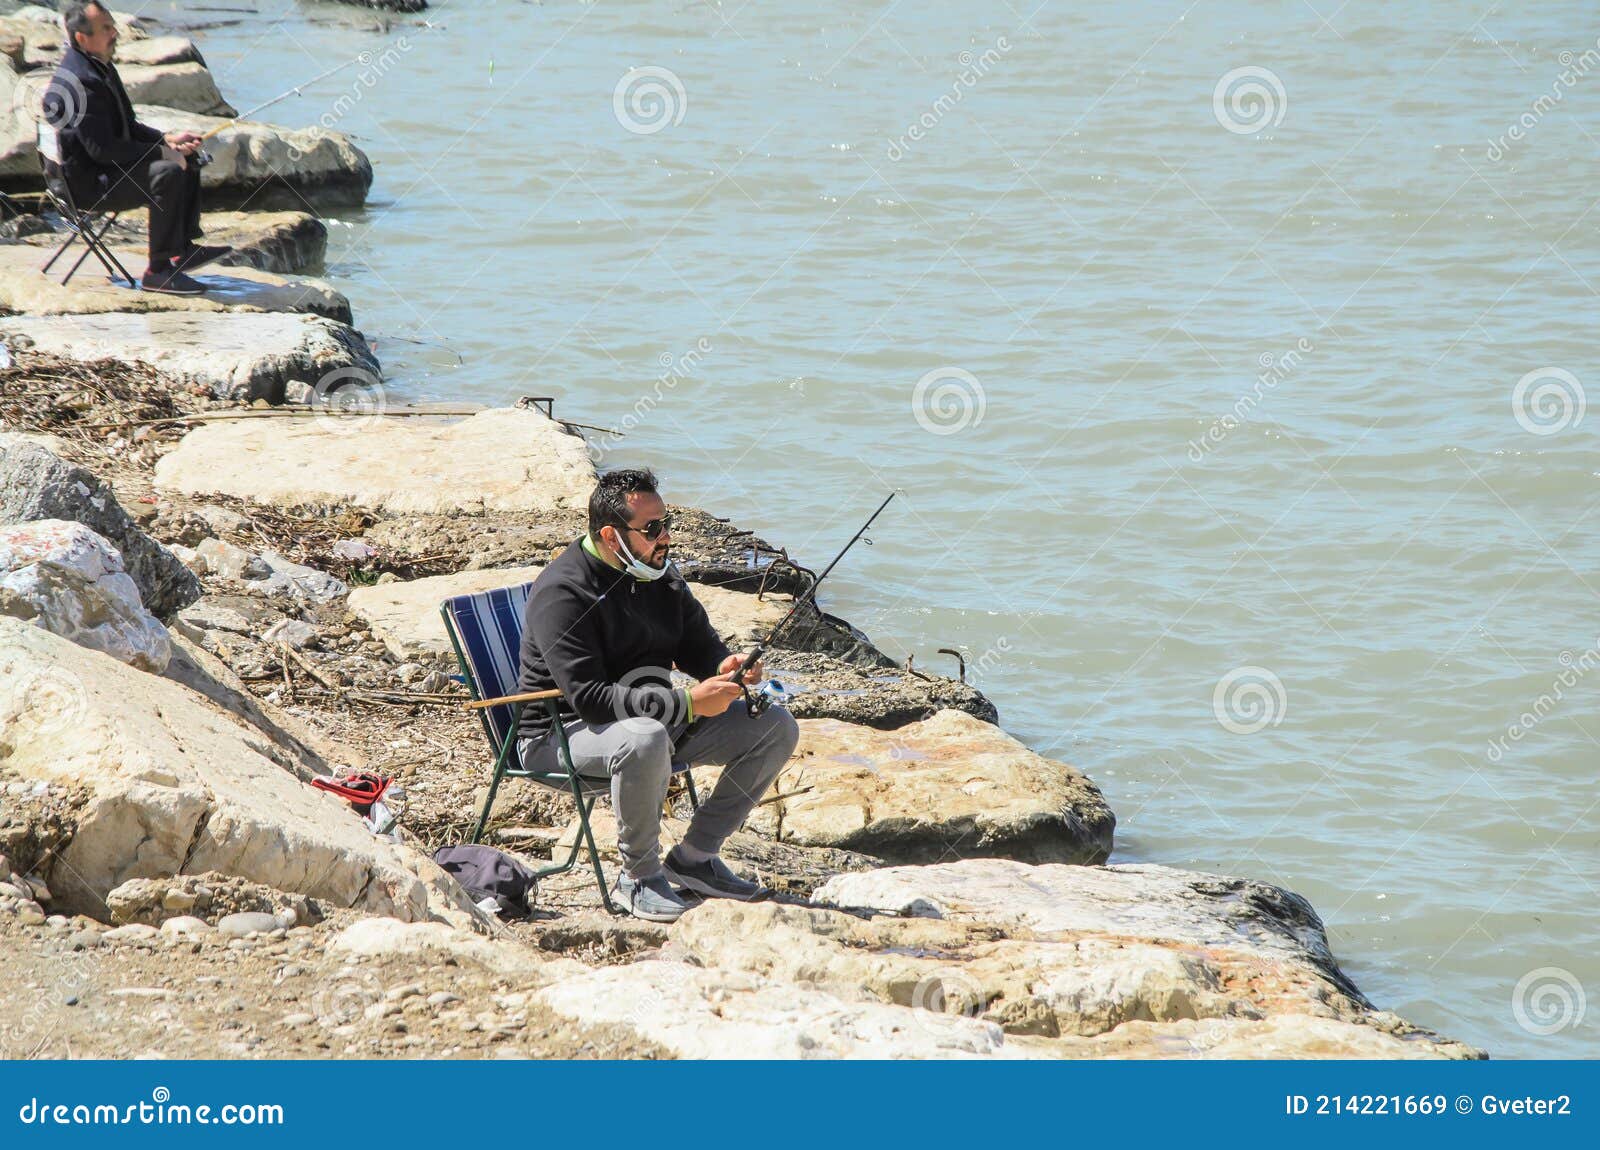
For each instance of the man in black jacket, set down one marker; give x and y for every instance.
(112, 162)
(606, 622)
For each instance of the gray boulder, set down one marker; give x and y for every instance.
(37, 484)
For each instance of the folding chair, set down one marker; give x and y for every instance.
(485, 631)
(90, 227)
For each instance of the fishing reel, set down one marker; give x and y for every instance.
(201, 159)
(764, 696)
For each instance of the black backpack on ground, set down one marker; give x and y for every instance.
(488, 873)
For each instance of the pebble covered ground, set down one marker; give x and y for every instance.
(76, 988)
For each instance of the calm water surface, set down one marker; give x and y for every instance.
(1219, 471)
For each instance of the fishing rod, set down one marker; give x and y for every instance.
(202, 158)
(772, 689)
(364, 57)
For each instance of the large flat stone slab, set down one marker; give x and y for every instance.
(24, 289)
(237, 355)
(172, 786)
(1145, 960)
(44, 49)
(1067, 984)
(270, 166)
(405, 616)
(185, 85)
(699, 1013)
(1133, 900)
(943, 788)
(272, 241)
(165, 70)
(500, 460)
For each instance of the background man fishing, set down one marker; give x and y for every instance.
(112, 162)
(606, 621)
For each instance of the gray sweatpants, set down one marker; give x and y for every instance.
(637, 755)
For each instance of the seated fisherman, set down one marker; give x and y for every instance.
(112, 162)
(606, 621)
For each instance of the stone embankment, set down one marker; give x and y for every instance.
(222, 550)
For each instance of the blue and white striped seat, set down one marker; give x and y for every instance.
(486, 631)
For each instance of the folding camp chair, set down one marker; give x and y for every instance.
(90, 227)
(486, 633)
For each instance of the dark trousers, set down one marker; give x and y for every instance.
(172, 194)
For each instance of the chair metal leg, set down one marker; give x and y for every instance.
(72, 238)
(594, 857)
(572, 855)
(88, 250)
(494, 784)
(584, 805)
(96, 241)
(81, 225)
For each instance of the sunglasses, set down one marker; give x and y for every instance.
(653, 529)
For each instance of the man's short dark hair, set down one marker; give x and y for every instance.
(608, 506)
(76, 19)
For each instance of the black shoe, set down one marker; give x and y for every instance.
(199, 255)
(170, 282)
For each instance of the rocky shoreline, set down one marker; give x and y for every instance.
(222, 552)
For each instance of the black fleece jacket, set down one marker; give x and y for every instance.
(608, 640)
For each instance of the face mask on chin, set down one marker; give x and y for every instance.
(639, 570)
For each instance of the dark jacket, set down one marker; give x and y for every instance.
(607, 640)
(94, 117)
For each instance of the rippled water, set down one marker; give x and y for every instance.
(1378, 562)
